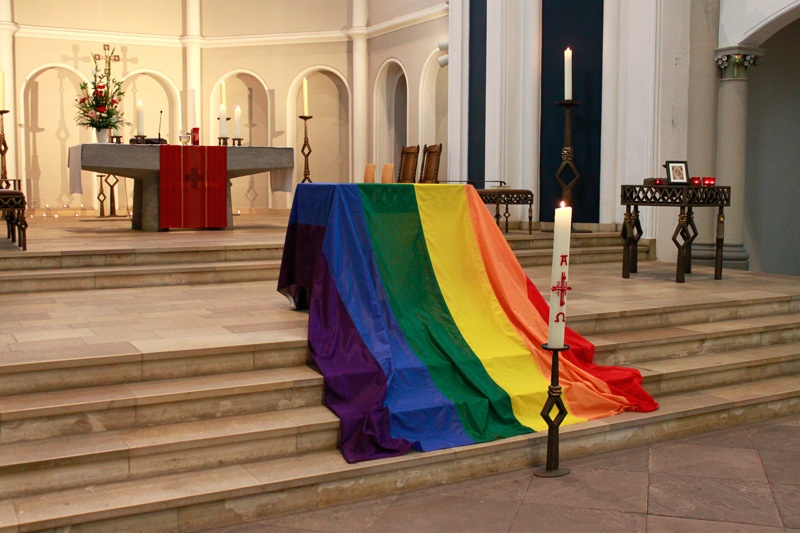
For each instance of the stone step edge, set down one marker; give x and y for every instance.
(177, 248)
(605, 346)
(189, 351)
(71, 450)
(71, 506)
(535, 252)
(128, 270)
(53, 403)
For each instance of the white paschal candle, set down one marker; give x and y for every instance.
(305, 97)
(139, 118)
(2, 90)
(559, 278)
(223, 121)
(568, 74)
(237, 122)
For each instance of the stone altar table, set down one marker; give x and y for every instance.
(141, 163)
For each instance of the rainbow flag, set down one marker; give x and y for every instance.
(424, 325)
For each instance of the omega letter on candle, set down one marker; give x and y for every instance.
(559, 285)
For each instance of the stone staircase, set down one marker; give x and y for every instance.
(197, 438)
(159, 266)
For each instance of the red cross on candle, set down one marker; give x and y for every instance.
(562, 288)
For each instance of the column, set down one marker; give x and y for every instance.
(7, 30)
(358, 33)
(193, 92)
(733, 64)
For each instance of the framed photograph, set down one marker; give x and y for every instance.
(677, 172)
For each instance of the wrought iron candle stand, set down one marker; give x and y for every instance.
(4, 183)
(222, 141)
(306, 150)
(553, 400)
(139, 139)
(568, 158)
(237, 141)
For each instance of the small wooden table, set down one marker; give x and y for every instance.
(508, 197)
(686, 198)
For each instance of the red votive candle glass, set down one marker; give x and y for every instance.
(709, 181)
(195, 136)
(696, 180)
(660, 181)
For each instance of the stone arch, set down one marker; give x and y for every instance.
(390, 102)
(433, 109)
(173, 103)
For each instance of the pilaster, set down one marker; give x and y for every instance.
(7, 30)
(358, 34)
(192, 41)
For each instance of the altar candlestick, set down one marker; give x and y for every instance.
(237, 122)
(568, 74)
(139, 118)
(305, 97)
(559, 278)
(223, 121)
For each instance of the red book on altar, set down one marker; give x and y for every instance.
(193, 187)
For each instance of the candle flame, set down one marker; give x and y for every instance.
(563, 205)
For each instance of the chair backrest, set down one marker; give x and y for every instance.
(430, 163)
(387, 173)
(369, 173)
(408, 164)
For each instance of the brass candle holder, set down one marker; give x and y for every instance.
(306, 150)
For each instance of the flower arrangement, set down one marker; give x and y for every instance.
(98, 105)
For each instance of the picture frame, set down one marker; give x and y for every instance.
(677, 172)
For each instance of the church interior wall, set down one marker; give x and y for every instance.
(773, 160)
(222, 18)
(381, 11)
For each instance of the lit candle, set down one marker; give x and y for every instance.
(223, 118)
(567, 74)
(305, 97)
(237, 122)
(559, 277)
(139, 118)
(223, 95)
(2, 90)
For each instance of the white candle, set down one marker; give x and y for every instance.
(567, 74)
(559, 285)
(237, 122)
(223, 95)
(223, 117)
(139, 118)
(2, 90)
(305, 97)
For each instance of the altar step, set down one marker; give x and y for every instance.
(204, 437)
(158, 266)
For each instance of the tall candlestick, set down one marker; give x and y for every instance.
(223, 95)
(559, 278)
(2, 90)
(223, 118)
(139, 118)
(567, 74)
(237, 122)
(305, 97)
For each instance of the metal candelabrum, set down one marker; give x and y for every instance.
(306, 150)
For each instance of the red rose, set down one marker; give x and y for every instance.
(83, 100)
(101, 109)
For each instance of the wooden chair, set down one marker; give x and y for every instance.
(408, 164)
(429, 173)
(369, 173)
(387, 173)
(12, 208)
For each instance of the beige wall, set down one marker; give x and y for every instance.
(157, 17)
(259, 17)
(382, 11)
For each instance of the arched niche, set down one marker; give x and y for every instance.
(434, 106)
(161, 101)
(49, 94)
(390, 96)
(248, 91)
(329, 132)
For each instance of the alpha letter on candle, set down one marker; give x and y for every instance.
(567, 74)
(305, 97)
(558, 281)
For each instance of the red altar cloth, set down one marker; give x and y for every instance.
(193, 187)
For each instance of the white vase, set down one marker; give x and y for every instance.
(102, 135)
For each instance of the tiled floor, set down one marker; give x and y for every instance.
(745, 479)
